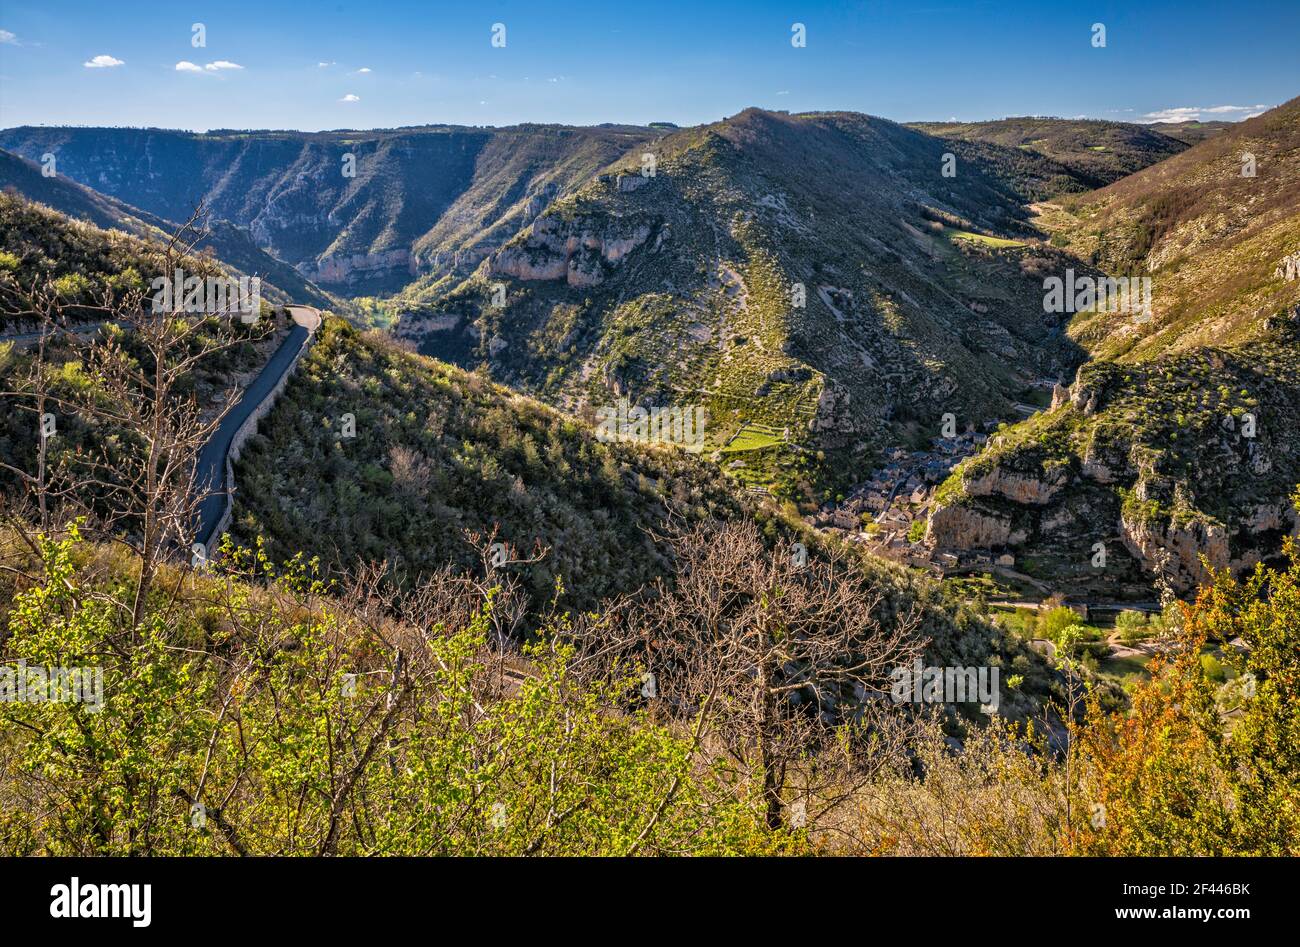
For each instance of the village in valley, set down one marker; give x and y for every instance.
(887, 514)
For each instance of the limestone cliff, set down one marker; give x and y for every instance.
(577, 250)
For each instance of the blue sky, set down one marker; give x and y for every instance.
(357, 64)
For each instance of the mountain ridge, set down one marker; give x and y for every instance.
(813, 303)
(346, 208)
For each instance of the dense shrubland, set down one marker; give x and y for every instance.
(438, 451)
(261, 711)
(88, 268)
(1060, 156)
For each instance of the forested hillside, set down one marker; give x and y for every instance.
(233, 247)
(1175, 450)
(443, 463)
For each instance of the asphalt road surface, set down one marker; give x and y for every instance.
(210, 477)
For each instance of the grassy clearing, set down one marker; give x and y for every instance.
(753, 436)
(954, 234)
(1130, 669)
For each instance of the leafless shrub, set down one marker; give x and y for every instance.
(136, 484)
(781, 665)
(412, 471)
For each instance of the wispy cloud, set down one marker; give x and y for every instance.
(210, 69)
(10, 38)
(103, 62)
(364, 70)
(350, 98)
(325, 65)
(1196, 113)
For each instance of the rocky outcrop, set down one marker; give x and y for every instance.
(1178, 553)
(1028, 488)
(1086, 398)
(576, 251)
(1103, 462)
(834, 414)
(959, 527)
(1096, 468)
(528, 262)
(352, 267)
(584, 268)
(1289, 268)
(454, 261)
(1270, 516)
(415, 324)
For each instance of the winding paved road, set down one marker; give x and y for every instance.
(210, 477)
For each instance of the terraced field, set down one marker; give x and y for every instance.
(982, 239)
(753, 436)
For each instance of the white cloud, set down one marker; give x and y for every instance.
(1173, 115)
(1195, 113)
(362, 71)
(325, 65)
(350, 98)
(210, 69)
(10, 38)
(103, 62)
